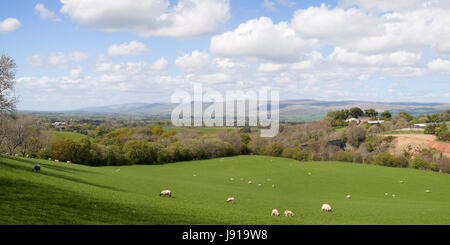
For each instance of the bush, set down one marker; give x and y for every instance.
(343, 156)
(296, 153)
(386, 159)
(419, 163)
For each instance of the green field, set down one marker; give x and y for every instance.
(56, 135)
(403, 132)
(74, 194)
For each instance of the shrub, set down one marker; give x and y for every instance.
(386, 159)
(418, 162)
(343, 156)
(296, 153)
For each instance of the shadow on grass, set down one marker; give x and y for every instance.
(55, 175)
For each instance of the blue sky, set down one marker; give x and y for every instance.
(73, 54)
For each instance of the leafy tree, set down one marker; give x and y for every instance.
(406, 115)
(386, 114)
(371, 113)
(7, 84)
(356, 112)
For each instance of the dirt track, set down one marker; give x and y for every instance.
(415, 142)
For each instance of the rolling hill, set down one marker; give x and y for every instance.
(75, 194)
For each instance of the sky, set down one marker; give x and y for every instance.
(74, 54)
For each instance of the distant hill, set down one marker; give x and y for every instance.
(290, 110)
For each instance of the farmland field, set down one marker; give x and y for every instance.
(56, 135)
(75, 194)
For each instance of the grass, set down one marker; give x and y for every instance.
(74, 194)
(56, 135)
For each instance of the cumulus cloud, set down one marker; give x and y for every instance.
(57, 60)
(44, 13)
(160, 64)
(261, 38)
(9, 25)
(399, 58)
(398, 5)
(439, 65)
(131, 48)
(269, 5)
(188, 18)
(194, 62)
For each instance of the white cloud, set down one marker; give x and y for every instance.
(414, 30)
(399, 58)
(160, 64)
(189, 18)
(286, 3)
(439, 65)
(269, 5)
(195, 62)
(9, 25)
(57, 60)
(44, 13)
(398, 5)
(131, 48)
(261, 38)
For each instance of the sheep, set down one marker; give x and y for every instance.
(273, 186)
(275, 213)
(230, 199)
(49, 159)
(56, 160)
(326, 207)
(27, 156)
(231, 179)
(427, 191)
(166, 193)
(386, 194)
(37, 168)
(309, 173)
(268, 180)
(69, 162)
(393, 195)
(249, 182)
(195, 175)
(401, 182)
(288, 213)
(259, 185)
(118, 170)
(348, 197)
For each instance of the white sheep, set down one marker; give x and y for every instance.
(309, 173)
(386, 194)
(230, 199)
(273, 186)
(231, 179)
(69, 162)
(259, 185)
(427, 191)
(288, 213)
(56, 160)
(348, 197)
(275, 213)
(326, 207)
(401, 181)
(393, 195)
(166, 193)
(249, 182)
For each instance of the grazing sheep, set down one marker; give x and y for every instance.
(56, 160)
(386, 194)
(309, 173)
(28, 156)
(37, 168)
(118, 170)
(166, 193)
(231, 179)
(69, 162)
(393, 195)
(230, 199)
(401, 182)
(223, 158)
(194, 175)
(275, 213)
(288, 213)
(49, 159)
(16, 155)
(259, 185)
(249, 182)
(268, 179)
(427, 191)
(348, 197)
(326, 207)
(273, 186)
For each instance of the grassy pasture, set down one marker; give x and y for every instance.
(74, 194)
(56, 135)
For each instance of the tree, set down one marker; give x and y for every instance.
(406, 115)
(371, 113)
(386, 114)
(7, 83)
(356, 112)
